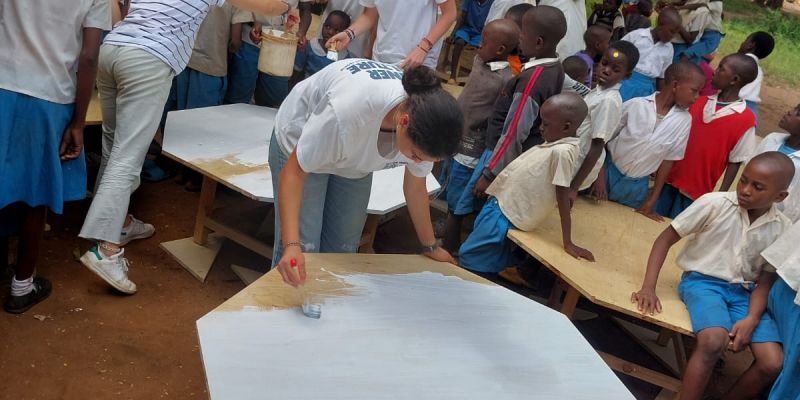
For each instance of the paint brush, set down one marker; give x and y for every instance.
(310, 310)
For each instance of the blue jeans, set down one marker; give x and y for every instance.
(333, 209)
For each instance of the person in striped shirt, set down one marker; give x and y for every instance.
(137, 62)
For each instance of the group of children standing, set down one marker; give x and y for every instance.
(534, 143)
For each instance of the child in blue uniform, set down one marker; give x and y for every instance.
(314, 56)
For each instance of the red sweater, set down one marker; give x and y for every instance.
(707, 150)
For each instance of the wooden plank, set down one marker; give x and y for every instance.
(666, 395)
(640, 372)
(648, 339)
(193, 257)
(247, 275)
(620, 240)
(204, 207)
(570, 302)
(368, 236)
(240, 237)
(94, 114)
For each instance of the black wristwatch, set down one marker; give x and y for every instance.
(428, 249)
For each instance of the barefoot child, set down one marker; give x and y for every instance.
(655, 52)
(787, 143)
(784, 307)
(721, 138)
(46, 81)
(526, 191)
(725, 286)
(605, 110)
(490, 72)
(651, 135)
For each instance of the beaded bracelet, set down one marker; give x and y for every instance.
(290, 244)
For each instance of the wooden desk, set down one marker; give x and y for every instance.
(620, 240)
(93, 114)
(396, 327)
(229, 145)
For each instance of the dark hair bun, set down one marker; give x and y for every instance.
(420, 79)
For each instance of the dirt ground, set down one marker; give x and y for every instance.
(86, 341)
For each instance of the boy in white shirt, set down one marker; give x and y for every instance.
(726, 283)
(787, 143)
(784, 306)
(652, 133)
(655, 53)
(605, 110)
(524, 193)
(702, 36)
(758, 46)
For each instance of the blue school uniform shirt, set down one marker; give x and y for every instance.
(475, 15)
(314, 58)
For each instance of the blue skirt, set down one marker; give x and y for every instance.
(637, 85)
(625, 190)
(30, 168)
(786, 315)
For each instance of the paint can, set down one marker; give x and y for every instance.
(277, 53)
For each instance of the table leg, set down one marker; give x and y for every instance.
(368, 235)
(680, 351)
(204, 207)
(555, 294)
(570, 302)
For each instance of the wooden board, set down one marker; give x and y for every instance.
(396, 327)
(621, 241)
(247, 275)
(231, 145)
(94, 115)
(193, 257)
(454, 90)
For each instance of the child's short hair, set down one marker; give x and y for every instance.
(516, 12)
(744, 66)
(629, 50)
(596, 32)
(575, 68)
(763, 44)
(341, 14)
(550, 23)
(645, 7)
(682, 70)
(780, 166)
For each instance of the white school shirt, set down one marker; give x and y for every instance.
(714, 22)
(752, 91)
(791, 205)
(354, 10)
(575, 13)
(333, 120)
(642, 143)
(605, 111)
(784, 256)
(401, 26)
(526, 188)
(654, 57)
(723, 243)
(499, 8)
(693, 21)
(746, 146)
(41, 41)
(166, 28)
(270, 22)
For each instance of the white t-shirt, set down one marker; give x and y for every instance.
(166, 29)
(641, 144)
(791, 205)
(333, 120)
(401, 26)
(752, 91)
(354, 10)
(575, 13)
(654, 57)
(500, 8)
(41, 41)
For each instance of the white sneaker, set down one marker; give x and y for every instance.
(136, 230)
(112, 269)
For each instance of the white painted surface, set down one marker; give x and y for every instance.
(240, 134)
(414, 336)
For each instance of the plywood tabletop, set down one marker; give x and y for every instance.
(620, 240)
(94, 116)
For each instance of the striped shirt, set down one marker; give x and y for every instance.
(163, 28)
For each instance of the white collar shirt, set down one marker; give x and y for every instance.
(791, 205)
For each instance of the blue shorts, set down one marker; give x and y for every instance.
(624, 190)
(707, 44)
(487, 249)
(753, 106)
(715, 303)
(467, 203)
(242, 74)
(471, 38)
(637, 85)
(271, 90)
(460, 201)
(786, 315)
(672, 202)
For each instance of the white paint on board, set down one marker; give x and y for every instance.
(414, 336)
